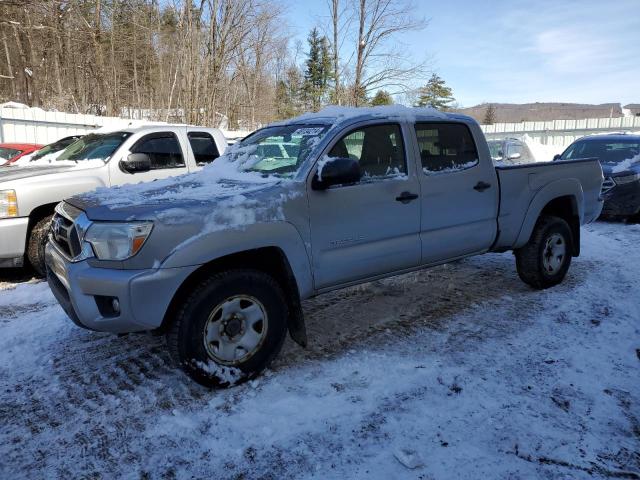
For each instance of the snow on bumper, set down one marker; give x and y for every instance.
(13, 234)
(86, 293)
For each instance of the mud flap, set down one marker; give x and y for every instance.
(297, 328)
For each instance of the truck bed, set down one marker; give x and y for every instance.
(521, 186)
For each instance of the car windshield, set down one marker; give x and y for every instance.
(279, 150)
(610, 152)
(495, 148)
(53, 148)
(94, 147)
(8, 153)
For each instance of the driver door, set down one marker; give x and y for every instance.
(372, 227)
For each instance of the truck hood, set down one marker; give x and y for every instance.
(626, 167)
(8, 174)
(177, 202)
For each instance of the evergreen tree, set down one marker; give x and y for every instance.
(489, 115)
(435, 94)
(317, 73)
(288, 94)
(382, 97)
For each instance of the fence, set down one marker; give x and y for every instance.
(32, 125)
(561, 132)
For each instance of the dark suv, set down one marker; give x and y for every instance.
(619, 155)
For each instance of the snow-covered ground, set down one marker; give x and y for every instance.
(461, 371)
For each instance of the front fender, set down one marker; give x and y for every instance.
(207, 247)
(566, 187)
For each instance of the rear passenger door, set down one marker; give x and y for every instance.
(166, 154)
(371, 227)
(459, 193)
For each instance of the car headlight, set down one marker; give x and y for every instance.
(117, 241)
(627, 178)
(8, 204)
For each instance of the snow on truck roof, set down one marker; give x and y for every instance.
(334, 115)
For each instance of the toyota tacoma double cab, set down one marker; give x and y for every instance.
(29, 194)
(220, 260)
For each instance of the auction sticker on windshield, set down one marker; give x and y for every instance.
(308, 131)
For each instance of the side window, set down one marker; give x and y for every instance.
(204, 147)
(515, 149)
(378, 149)
(162, 148)
(445, 147)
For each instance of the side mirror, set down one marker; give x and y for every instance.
(514, 156)
(136, 163)
(336, 171)
(557, 156)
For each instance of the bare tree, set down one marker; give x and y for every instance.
(377, 65)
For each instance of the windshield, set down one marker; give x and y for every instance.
(94, 146)
(7, 153)
(53, 147)
(278, 150)
(495, 149)
(609, 152)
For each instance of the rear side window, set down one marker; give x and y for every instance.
(204, 147)
(8, 153)
(163, 149)
(445, 147)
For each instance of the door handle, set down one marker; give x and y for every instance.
(482, 186)
(406, 197)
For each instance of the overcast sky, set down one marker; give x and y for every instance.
(516, 51)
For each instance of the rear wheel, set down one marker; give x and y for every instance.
(36, 243)
(230, 328)
(543, 262)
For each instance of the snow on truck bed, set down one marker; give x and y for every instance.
(460, 371)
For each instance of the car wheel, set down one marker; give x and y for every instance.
(543, 262)
(229, 328)
(36, 243)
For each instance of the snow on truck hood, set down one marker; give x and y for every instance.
(220, 185)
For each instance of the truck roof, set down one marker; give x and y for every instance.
(140, 127)
(611, 136)
(334, 115)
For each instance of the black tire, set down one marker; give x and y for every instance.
(530, 259)
(36, 243)
(186, 335)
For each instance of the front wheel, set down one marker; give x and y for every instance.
(543, 262)
(230, 328)
(36, 243)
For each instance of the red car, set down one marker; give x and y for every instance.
(10, 152)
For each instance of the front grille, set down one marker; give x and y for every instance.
(63, 231)
(607, 185)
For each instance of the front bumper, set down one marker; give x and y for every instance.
(622, 200)
(143, 295)
(13, 237)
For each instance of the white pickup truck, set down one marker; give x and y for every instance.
(28, 195)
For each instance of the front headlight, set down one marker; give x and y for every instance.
(627, 178)
(8, 204)
(117, 241)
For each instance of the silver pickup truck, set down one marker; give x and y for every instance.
(220, 260)
(29, 194)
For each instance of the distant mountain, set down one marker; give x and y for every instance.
(530, 112)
